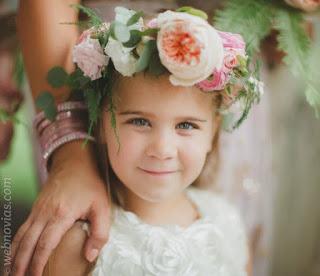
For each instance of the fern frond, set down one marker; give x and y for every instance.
(252, 19)
(313, 74)
(94, 18)
(292, 39)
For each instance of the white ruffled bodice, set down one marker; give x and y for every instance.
(215, 244)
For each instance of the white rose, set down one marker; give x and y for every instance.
(89, 57)
(122, 58)
(189, 47)
(164, 254)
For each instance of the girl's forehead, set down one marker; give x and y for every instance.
(151, 94)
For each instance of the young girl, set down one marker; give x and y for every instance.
(157, 140)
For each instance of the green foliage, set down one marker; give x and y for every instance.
(156, 68)
(313, 74)
(119, 31)
(4, 116)
(150, 32)
(57, 77)
(103, 38)
(94, 19)
(250, 18)
(149, 48)
(193, 11)
(93, 99)
(292, 39)
(18, 73)
(135, 38)
(45, 102)
(135, 18)
(76, 80)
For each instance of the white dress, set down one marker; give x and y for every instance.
(213, 245)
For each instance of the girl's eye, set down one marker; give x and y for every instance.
(138, 122)
(187, 125)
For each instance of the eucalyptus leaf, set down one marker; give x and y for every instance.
(135, 18)
(156, 68)
(57, 77)
(77, 80)
(150, 32)
(51, 112)
(119, 31)
(135, 38)
(45, 101)
(145, 57)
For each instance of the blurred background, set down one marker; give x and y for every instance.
(270, 167)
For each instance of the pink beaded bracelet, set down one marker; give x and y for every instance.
(71, 123)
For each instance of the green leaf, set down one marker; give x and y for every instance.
(313, 73)
(45, 101)
(94, 18)
(119, 31)
(135, 18)
(93, 99)
(50, 112)
(156, 68)
(103, 38)
(135, 38)
(145, 57)
(4, 116)
(18, 73)
(76, 80)
(150, 32)
(292, 39)
(193, 11)
(250, 18)
(57, 77)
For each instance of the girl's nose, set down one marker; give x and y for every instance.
(162, 146)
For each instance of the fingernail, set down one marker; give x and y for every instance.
(92, 255)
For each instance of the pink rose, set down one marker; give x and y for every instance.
(217, 81)
(306, 5)
(234, 46)
(153, 23)
(84, 36)
(230, 60)
(89, 57)
(233, 42)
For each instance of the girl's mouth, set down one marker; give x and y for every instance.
(158, 172)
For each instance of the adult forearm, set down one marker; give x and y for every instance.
(45, 42)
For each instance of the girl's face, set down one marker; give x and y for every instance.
(165, 133)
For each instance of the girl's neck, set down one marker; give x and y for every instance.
(178, 210)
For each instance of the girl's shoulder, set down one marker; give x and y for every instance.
(225, 218)
(214, 205)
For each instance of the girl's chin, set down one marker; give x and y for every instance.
(157, 194)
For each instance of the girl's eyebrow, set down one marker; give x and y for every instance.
(147, 114)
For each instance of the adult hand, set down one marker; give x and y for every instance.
(74, 190)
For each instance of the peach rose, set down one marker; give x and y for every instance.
(189, 47)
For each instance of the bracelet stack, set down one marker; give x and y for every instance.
(71, 123)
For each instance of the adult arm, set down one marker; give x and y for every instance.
(74, 189)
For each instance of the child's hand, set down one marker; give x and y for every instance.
(73, 191)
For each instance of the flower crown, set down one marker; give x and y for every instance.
(181, 43)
